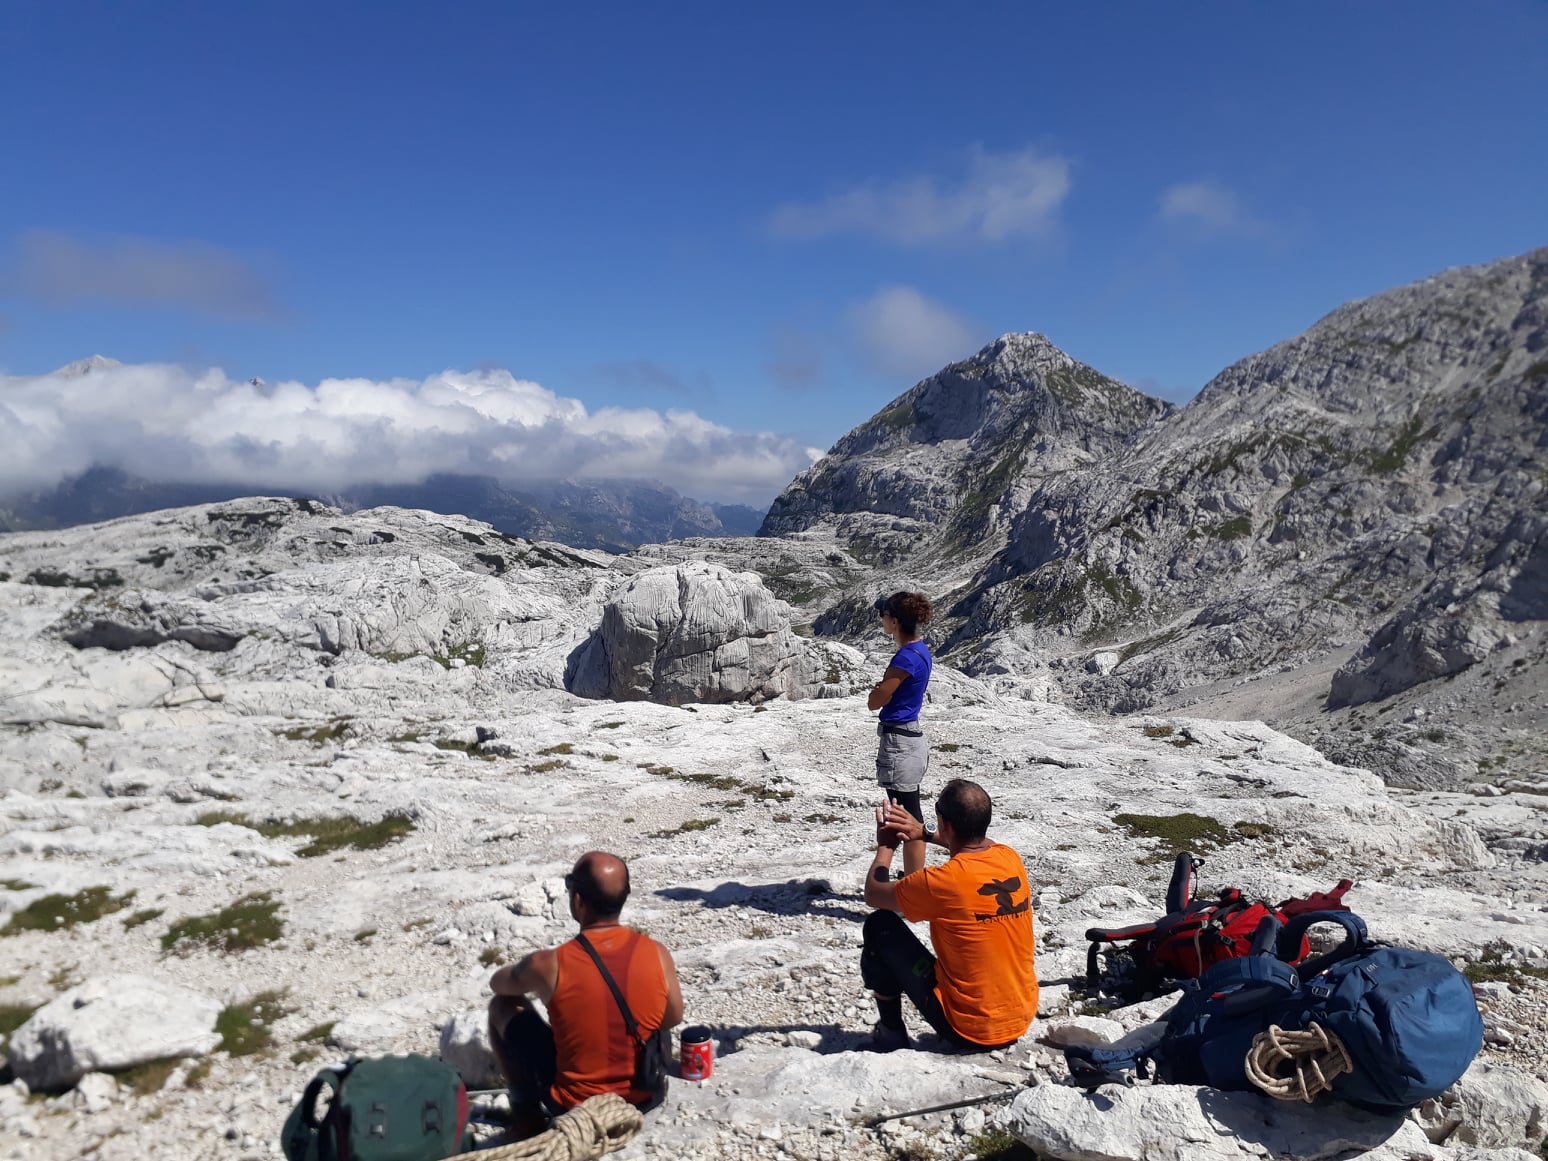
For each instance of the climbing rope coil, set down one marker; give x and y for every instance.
(1293, 1064)
(595, 1127)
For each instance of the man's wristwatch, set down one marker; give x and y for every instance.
(928, 836)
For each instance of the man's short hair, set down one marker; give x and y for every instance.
(966, 806)
(604, 900)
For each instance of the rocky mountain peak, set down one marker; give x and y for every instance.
(83, 367)
(939, 473)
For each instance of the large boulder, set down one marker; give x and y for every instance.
(465, 1046)
(110, 1023)
(1184, 1123)
(1491, 1106)
(698, 632)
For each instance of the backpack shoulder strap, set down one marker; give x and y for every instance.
(1255, 980)
(1356, 939)
(303, 1137)
(629, 1021)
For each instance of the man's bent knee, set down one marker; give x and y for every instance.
(503, 1009)
(878, 924)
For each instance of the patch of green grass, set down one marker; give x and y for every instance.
(328, 834)
(99, 579)
(714, 781)
(422, 921)
(997, 1145)
(948, 747)
(1412, 434)
(139, 918)
(822, 819)
(150, 1077)
(1178, 832)
(897, 418)
(246, 1028)
(561, 748)
(608, 757)
(252, 921)
(365, 935)
(759, 931)
(768, 793)
(303, 1055)
(17, 884)
(469, 748)
(318, 735)
(491, 956)
(317, 1033)
(1491, 967)
(57, 912)
(976, 504)
(607, 725)
(1236, 528)
(407, 736)
(691, 825)
(1158, 731)
(13, 1016)
(198, 1074)
(545, 767)
(1252, 830)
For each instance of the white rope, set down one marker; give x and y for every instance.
(595, 1127)
(1313, 1055)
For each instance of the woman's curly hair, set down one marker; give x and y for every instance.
(912, 611)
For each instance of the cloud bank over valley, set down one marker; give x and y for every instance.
(172, 424)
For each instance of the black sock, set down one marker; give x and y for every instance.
(890, 1011)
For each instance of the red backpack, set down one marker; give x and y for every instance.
(1193, 935)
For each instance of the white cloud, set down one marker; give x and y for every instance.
(1209, 206)
(1002, 197)
(903, 333)
(174, 425)
(61, 270)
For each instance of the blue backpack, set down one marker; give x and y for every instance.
(1407, 1020)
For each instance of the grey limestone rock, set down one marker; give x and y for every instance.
(465, 1046)
(695, 632)
(110, 1023)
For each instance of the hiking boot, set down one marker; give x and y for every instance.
(885, 1039)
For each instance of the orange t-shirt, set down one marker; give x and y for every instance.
(979, 905)
(593, 1050)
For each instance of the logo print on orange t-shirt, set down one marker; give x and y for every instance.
(1002, 890)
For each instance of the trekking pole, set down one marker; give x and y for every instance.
(1006, 1094)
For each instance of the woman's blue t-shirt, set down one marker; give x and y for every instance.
(913, 659)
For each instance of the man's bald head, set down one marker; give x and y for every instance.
(602, 882)
(965, 805)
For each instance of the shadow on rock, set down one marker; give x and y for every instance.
(792, 897)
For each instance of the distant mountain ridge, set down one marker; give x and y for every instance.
(612, 515)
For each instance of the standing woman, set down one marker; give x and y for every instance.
(904, 753)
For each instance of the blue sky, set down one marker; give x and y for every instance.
(766, 221)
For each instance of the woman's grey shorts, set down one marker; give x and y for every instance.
(901, 761)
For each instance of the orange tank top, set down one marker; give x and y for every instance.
(593, 1049)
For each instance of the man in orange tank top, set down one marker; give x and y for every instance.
(979, 990)
(584, 1047)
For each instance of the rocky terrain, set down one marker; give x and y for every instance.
(1346, 533)
(280, 783)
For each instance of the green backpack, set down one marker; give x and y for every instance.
(393, 1108)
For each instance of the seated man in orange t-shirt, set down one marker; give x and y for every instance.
(587, 1048)
(979, 990)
